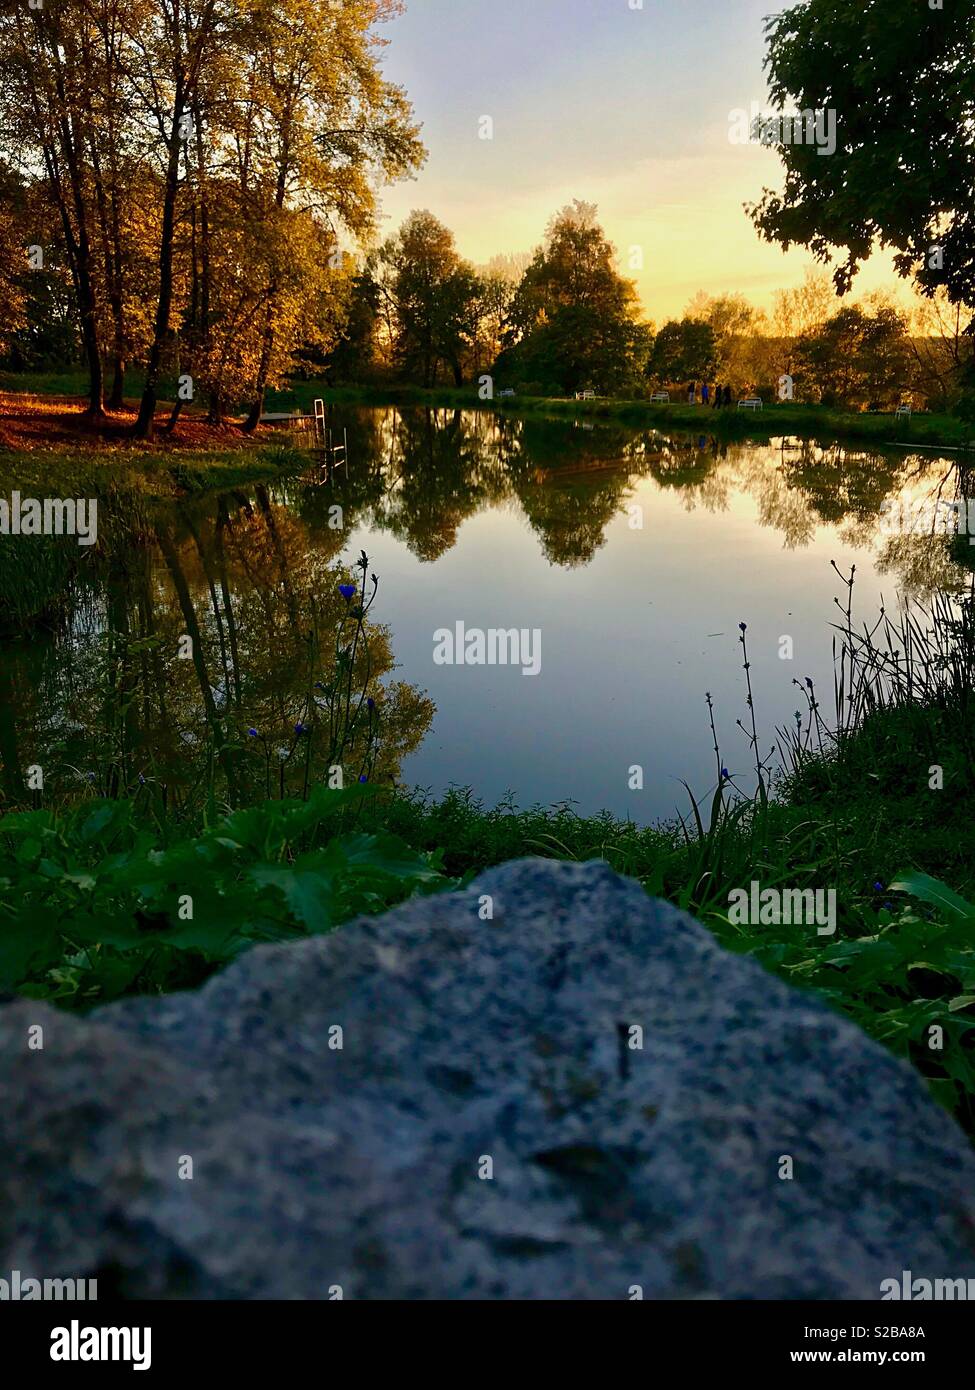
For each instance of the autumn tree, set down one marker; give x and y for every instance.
(943, 344)
(499, 281)
(209, 163)
(181, 38)
(47, 83)
(321, 126)
(800, 310)
(13, 262)
(355, 355)
(739, 331)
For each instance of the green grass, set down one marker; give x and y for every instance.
(94, 897)
(73, 381)
(777, 418)
(95, 904)
(77, 472)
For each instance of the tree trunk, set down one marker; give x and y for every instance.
(147, 407)
(71, 138)
(260, 387)
(170, 424)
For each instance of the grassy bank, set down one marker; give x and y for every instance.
(98, 900)
(48, 445)
(82, 472)
(875, 805)
(775, 419)
(35, 570)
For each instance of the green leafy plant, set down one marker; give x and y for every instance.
(93, 906)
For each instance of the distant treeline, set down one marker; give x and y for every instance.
(189, 188)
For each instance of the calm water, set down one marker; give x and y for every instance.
(632, 556)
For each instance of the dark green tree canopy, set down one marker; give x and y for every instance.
(435, 295)
(573, 320)
(900, 77)
(856, 360)
(683, 351)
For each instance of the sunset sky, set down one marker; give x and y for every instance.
(627, 108)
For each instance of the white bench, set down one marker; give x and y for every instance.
(661, 397)
(751, 403)
(503, 395)
(903, 410)
(587, 395)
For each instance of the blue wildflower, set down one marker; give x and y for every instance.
(347, 591)
(252, 733)
(363, 778)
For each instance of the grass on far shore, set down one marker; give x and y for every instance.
(775, 419)
(929, 430)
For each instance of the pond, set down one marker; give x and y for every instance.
(594, 577)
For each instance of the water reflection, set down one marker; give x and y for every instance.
(420, 474)
(635, 553)
(197, 660)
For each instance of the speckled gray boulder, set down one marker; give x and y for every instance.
(465, 1040)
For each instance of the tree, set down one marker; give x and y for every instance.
(943, 346)
(856, 360)
(574, 320)
(323, 127)
(801, 310)
(499, 279)
(354, 356)
(204, 160)
(181, 39)
(435, 299)
(804, 307)
(49, 74)
(683, 351)
(900, 77)
(13, 259)
(738, 332)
